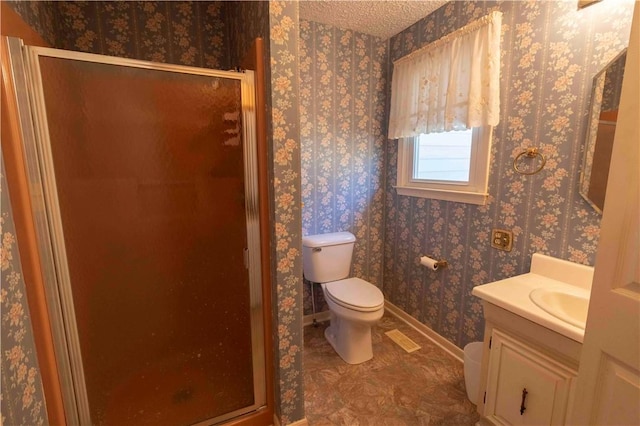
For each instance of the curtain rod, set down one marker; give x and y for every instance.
(485, 20)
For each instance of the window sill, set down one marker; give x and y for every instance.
(439, 194)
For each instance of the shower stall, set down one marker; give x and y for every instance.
(143, 180)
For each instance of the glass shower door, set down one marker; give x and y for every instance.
(147, 203)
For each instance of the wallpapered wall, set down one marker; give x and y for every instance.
(342, 120)
(286, 237)
(22, 396)
(550, 52)
(244, 21)
(215, 35)
(203, 33)
(40, 15)
(186, 33)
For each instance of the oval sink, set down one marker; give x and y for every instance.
(569, 305)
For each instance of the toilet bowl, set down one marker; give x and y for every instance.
(349, 332)
(355, 305)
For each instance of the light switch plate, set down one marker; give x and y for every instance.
(502, 239)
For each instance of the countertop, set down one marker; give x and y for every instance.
(512, 293)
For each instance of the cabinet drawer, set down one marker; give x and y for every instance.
(515, 367)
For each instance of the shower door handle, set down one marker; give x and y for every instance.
(245, 256)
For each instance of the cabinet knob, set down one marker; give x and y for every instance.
(524, 397)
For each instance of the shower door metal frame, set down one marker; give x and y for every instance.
(49, 231)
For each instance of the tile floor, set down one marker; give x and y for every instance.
(425, 387)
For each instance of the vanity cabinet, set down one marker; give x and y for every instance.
(528, 372)
(525, 386)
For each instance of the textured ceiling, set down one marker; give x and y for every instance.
(382, 18)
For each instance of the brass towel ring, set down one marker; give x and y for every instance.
(529, 153)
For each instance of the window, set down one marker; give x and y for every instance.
(451, 83)
(443, 156)
(451, 166)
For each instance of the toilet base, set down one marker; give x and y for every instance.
(351, 341)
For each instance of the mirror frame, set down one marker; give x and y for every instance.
(584, 3)
(595, 104)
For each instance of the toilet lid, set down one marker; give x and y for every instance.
(356, 294)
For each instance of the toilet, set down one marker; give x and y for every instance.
(355, 304)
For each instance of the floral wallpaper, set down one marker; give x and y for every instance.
(246, 20)
(342, 120)
(287, 240)
(40, 15)
(550, 53)
(22, 397)
(178, 32)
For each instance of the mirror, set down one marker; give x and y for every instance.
(601, 128)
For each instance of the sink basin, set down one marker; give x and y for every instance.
(569, 305)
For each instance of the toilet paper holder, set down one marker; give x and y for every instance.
(442, 264)
(439, 264)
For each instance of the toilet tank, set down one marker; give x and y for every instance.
(327, 257)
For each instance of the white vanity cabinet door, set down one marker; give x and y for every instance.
(515, 366)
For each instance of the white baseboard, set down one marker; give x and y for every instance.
(301, 422)
(449, 347)
(320, 317)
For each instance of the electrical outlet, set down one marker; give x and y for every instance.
(502, 239)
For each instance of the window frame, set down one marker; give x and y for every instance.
(473, 192)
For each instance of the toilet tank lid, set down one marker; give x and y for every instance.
(331, 239)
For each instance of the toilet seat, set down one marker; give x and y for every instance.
(355, 294)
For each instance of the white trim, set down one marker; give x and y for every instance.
(320, 317)
(475, 192)
(440, 341)
(128, 62)
(441, 194)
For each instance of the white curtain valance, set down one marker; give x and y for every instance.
(450, 84)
